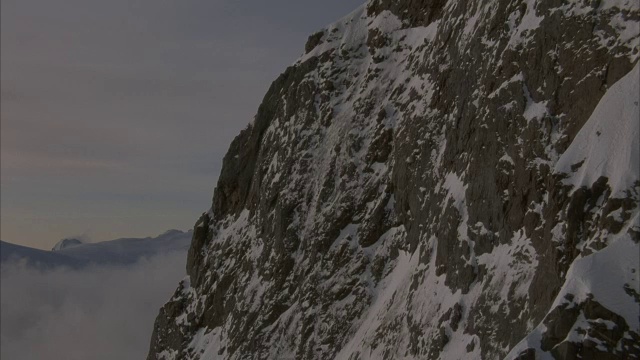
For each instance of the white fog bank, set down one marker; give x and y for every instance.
(97, 312)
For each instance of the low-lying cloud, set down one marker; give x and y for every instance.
(100, 312)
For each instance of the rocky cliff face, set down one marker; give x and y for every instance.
(431, 179)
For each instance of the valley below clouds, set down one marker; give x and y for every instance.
(97, 312)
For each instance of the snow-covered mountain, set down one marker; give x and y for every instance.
(75, 254)
(431, 179)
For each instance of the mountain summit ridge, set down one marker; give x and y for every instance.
(66, 243)
(427, 182)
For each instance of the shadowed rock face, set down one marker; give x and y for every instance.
(397, 194)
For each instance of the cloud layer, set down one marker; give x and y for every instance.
(104, 312)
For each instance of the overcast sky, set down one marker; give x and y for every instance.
(116, 114)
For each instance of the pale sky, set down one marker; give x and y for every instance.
(116, 114)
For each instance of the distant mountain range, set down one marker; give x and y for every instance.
(75, 254)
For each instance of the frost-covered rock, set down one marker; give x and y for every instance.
(430, 179)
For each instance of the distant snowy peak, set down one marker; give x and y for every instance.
(172, 232)
(76, 254)
(66, 243)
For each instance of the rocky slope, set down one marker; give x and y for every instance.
(431, 179)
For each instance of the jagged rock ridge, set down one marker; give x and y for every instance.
(431, 179)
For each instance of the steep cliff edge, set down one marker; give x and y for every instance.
(431, 179)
